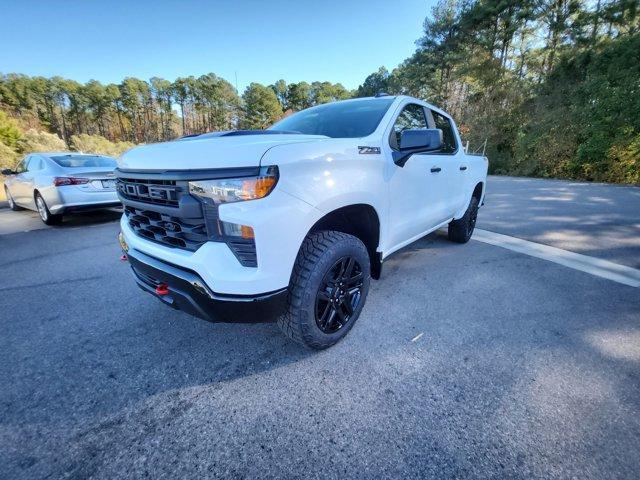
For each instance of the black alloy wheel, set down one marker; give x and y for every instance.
(339, 295)
(473, 217)
(460, 230)
(328, 289)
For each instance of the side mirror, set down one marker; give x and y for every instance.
(417, 141)
(7, 171)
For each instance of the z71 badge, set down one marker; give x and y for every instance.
(369, 150)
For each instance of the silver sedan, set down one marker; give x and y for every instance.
(58, 183)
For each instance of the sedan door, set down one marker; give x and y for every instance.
(18, 184)
(28, 180)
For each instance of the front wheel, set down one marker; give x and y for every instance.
(12, 204)
(47, 217)
(328, 288)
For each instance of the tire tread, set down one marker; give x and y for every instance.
(311, 251)
(457, 231)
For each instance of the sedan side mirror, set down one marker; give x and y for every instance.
(417, 141)
(7, 171)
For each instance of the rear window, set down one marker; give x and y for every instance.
(71, 161)
(448, 137)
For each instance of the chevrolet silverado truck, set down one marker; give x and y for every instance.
(295, 220)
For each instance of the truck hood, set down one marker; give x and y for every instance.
(209, 152)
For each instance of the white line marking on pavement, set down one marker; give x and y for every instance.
(584, 263)
(417, 337)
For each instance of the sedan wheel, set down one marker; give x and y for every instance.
(42, 209)
(44, 212)
(12, 204)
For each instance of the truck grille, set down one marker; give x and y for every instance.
(184, 233)
(158, 192)
(163, 211)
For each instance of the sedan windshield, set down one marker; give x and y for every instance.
(71, 161)
(347, 119)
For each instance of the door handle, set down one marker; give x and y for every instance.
(463, 167)
(435, 169)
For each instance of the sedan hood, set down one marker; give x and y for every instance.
(207, 152)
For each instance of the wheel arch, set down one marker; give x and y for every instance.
(477, 192)
(360, 220)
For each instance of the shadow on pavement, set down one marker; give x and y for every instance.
(28, 220)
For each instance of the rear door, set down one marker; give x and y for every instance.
(416, 189)
(452, 162)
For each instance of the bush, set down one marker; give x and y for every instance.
(39, 141)
(9, 130)
(8, 157)
(624, 161)
(97, 144)
(585, 122)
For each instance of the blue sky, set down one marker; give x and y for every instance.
(337, 41)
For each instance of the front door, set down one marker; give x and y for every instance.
(17, 185)
(416, 189)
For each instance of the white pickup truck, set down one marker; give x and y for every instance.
(296, 219)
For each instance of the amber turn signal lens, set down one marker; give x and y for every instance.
(246, 231)
(257, 187)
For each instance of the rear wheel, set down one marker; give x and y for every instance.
(460, 230)
(329, 286)
(12, 204)
(46, 216)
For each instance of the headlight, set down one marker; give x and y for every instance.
(227, 190)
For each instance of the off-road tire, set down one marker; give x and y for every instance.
(317, 256)
(460, 230)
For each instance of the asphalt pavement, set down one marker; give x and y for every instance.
(468, 361)
(590, 218)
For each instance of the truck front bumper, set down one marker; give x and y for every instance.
(185, 290)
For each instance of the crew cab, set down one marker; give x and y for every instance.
(296, 219)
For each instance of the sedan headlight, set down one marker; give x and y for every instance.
(226, 190)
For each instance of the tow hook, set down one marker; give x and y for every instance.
(162, 289)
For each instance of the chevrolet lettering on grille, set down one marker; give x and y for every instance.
(151, 193)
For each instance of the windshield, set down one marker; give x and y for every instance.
(71, 161)
(347, 119)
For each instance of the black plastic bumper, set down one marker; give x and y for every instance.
(186, 291)
(91, 207)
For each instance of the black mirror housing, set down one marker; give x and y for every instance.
(7, 171)
(426, 140)
(417, 141)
